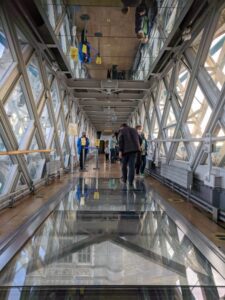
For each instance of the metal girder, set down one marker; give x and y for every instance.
(112, 97)
(192, 85)
(105, 104)
(105, 113)
(89, 84)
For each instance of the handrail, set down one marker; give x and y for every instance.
(17, 152)
(202, 139)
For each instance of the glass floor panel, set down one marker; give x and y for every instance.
(101, 239)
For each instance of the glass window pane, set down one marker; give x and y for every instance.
(60, 126)
(22, 40)
(215, 62)
(65, 155)
(49, 75)
(54, 155)
(48, 8)
(17, 112)
(162, 99)
(35, 78)
(199, 114)
(196, 42)
(57, 4)
(55, 96)
(65, 105)
(171, 117)
(5, 166)
(155, 130)
(46, 123)
(6, 59)
(218, 152)
(34, 161)
(182, 82)
(181, 153)
(21, 183)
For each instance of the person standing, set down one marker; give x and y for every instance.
(107, 151)
(82, 147)
(138, 158)
(112, 147)
(129, 145)
(144, 151)
(129, 3)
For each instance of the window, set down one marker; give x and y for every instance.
(46, 123)
(21, 183)
(218, 149)
(34, 161)
(84, 256)
(35, 78)
(155, 131)
(54, 155)
(48, 8)
(199, 114)
(215, 62)
(65, 155)
(5, 166)
(49, 75)
(22, 40)
(65, 105)
(6, 59)
(181, 153)
(55, 97)
(60, 127)
(17, 112)
(182, 82)
(162, 99)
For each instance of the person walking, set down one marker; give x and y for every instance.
(129, 145)
(82, 147)
(107, 151)
(138, 157)
(144, 151)
(112, 147)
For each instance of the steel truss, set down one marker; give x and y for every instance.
(205, 75)
(68, 109)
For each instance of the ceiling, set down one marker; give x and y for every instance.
(118, 46)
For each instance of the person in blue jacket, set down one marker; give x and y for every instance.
(82, 147)
(84, 56)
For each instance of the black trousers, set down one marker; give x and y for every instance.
(83, 159)
(113, 155)
(143, 163)
(138, 163)
(128, 162)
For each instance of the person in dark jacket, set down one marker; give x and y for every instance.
(128, 147)
(138, 158)
(82, 147)
(129, 3)
(142, 22)
(144, 151)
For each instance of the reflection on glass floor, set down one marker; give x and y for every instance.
(101, 235)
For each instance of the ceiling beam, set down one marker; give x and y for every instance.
(106, 104)
(105, 113)
(112, 97)
(89, 84)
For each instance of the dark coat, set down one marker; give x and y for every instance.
(129, 140)
(131, 3)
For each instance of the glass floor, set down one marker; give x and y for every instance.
(105, 242)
